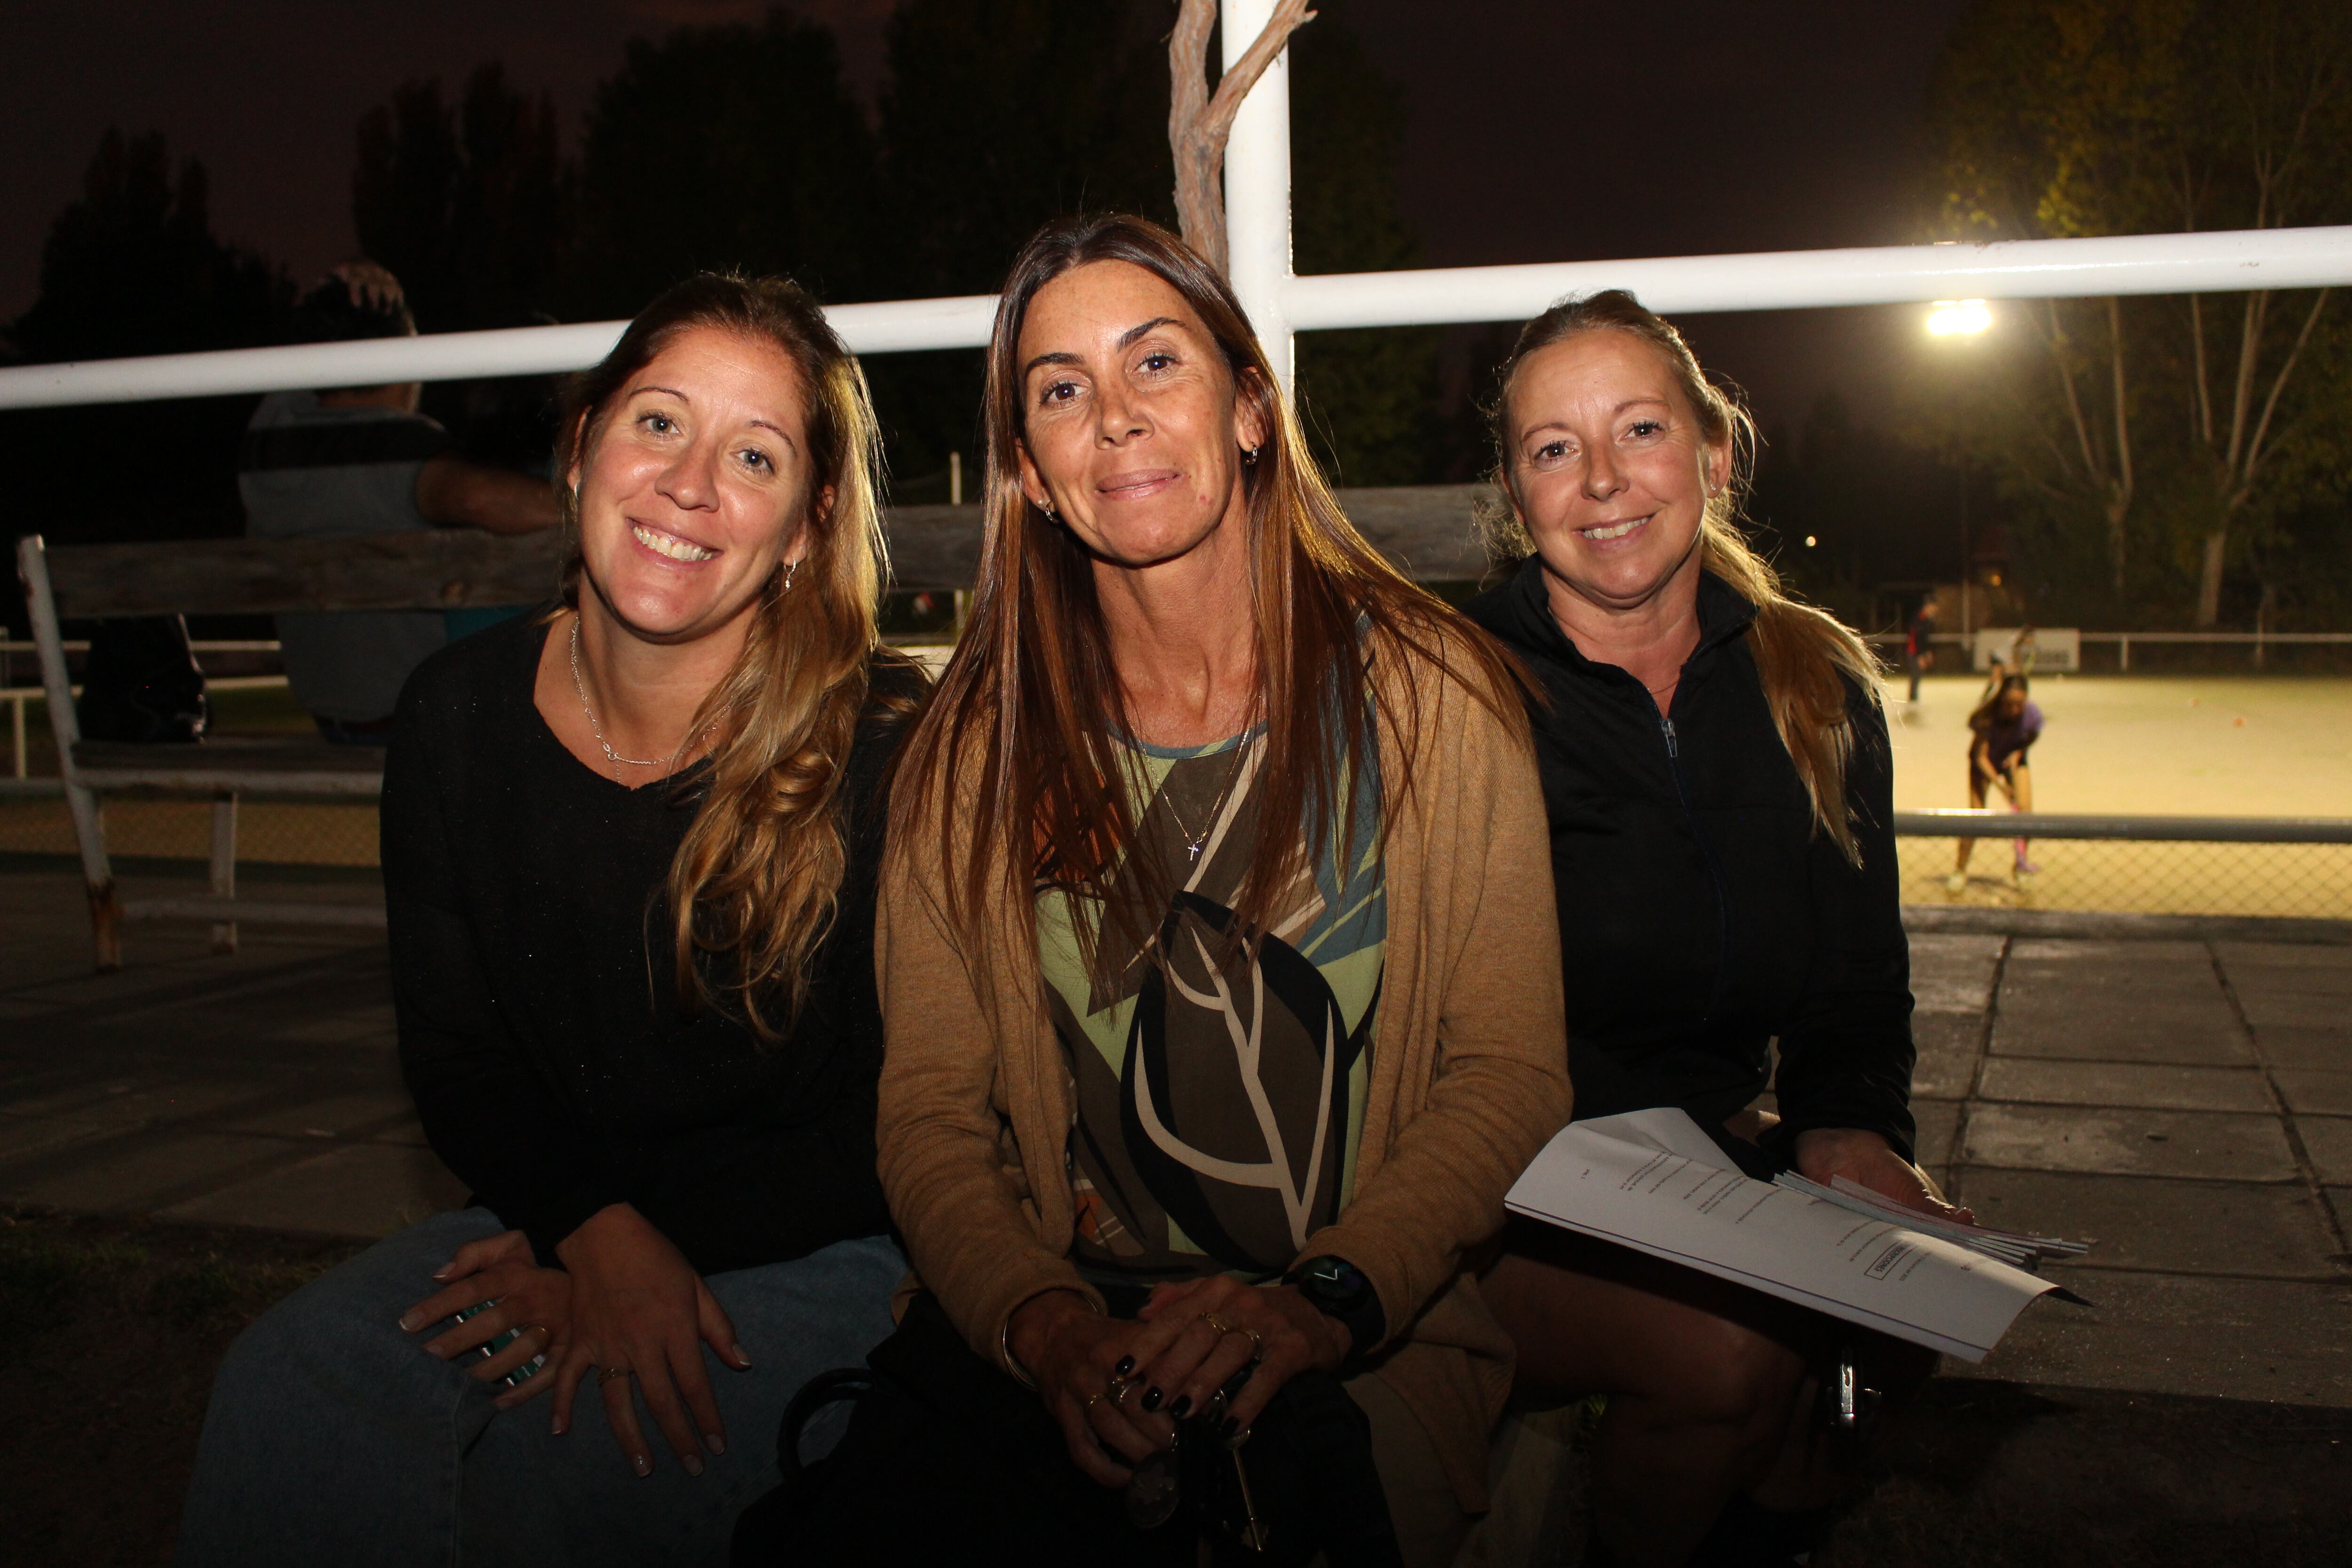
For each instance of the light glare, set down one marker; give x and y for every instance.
(1958, 318)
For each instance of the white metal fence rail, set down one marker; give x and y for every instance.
(1257, 207)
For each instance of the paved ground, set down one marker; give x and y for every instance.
(2188, 1105)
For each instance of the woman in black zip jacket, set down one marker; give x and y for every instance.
(1715, 772)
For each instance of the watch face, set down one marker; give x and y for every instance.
(1334, 1277)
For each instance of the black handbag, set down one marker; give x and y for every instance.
(141, 683)
(948, 1460)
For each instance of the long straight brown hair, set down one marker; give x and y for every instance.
(1804, 657)
(1017, 770)
(754, 886)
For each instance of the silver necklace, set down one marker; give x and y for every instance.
(1193, 841)
(598, 730)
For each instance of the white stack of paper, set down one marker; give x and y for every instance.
(1653, 1180)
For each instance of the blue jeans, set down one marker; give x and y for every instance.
(332, 1437)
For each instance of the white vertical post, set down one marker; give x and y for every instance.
(1258, 186)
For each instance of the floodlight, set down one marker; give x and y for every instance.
(1958, 318)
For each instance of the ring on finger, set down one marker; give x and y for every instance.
(1095, 1398)
(605, 1375)
(1219, 1323)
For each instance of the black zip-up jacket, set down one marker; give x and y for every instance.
(1701, 914)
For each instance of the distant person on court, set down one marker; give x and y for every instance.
(1918, 647)
(2001, 732)
(355, 460)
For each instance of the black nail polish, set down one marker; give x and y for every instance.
(1125, 1364)
(1181, 1408)
(1152, 1398)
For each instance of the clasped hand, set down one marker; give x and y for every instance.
(627, 1306)
(1118, 1388)
(1867, 1160)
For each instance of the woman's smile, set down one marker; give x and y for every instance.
(1607, 532)
(1138, 485)
(670, 546)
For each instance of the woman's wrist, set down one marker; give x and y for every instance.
(1031, 1327)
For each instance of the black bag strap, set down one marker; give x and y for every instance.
(847, 1384)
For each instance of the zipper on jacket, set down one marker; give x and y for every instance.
(1707, 853)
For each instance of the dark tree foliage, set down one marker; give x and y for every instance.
(133, 267)
(471, 205)
(1878, 509)
(999, 116)
(1369, 396)
(734, 146)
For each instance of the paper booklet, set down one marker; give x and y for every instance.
(1653, 1181)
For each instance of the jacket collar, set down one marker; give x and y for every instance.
(1523, 616)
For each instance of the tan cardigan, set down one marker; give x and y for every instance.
(1469, 1078)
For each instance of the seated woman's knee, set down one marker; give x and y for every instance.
(1731, 1375)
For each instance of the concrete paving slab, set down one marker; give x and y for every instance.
(2205, 1145)
(2281, 1340)
(2309, 1093)
(21, 1137)
(361, 1190)
(2279, 979)
(359, 1025)
(1952, 974)
(1948, 1047)
(143, 1172)
(139, 1099)
(2305, 955)
(2135, 1084)
(2329, 1050)
(2277, 1231)
(333, 1114)
(2110, 1029)
(2329, 1139)
(2295, 1010)
(1937, 1120)
(2072, 951)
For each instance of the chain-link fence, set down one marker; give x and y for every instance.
(2277, 866)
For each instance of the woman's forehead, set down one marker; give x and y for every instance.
(1101, 300)
(716, 367)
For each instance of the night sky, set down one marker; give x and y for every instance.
(1540, 130)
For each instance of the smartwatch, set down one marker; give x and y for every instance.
(1339, 1290)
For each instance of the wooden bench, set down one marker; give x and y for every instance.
(1428, 532)
(429, 571)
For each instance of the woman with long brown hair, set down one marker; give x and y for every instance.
(1220, 1010)
(1715, 766)
(629, 851)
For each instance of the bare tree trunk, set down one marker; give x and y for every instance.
(2240, 463)
(1199, 124)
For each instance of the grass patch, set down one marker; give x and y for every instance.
(110, 1333)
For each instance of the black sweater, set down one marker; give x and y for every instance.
(1700, 913)
(540, 1029)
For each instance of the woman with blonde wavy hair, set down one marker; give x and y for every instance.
(629, 849)
(1715, 768)
(1220, 1010)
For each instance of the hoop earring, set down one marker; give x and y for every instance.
(1249, 456)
